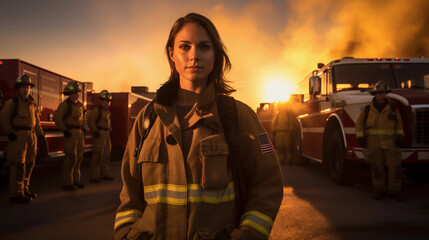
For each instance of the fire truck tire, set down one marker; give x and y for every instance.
(297, 158)
(338, 166)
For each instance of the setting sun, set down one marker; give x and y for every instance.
(277, 89)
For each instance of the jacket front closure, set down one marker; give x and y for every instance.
(172, 184)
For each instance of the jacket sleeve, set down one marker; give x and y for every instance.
(92, 116)
(38, 127)
(132, 203)
(263, 178)
(59, 115)
(360, 131)
(5, 116)
(399, 131)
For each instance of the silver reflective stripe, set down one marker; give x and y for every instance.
(258, 221)
(128, 216)
(184, 194)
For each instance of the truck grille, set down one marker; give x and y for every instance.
(422, 126)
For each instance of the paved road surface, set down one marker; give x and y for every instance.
(313, 208)
(57, 214)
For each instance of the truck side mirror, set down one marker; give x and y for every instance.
(315, 85)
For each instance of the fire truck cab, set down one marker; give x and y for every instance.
(333, 96)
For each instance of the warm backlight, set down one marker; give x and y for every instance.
(278, 90)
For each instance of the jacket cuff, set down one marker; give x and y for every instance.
(121, 233)
(246, 233)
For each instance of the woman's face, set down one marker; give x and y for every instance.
(193, 55)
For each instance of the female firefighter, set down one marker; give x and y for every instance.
(181, 179)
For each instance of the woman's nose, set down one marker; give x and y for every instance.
(194, 54)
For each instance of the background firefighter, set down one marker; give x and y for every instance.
(281, 132)
(100, 126)
(70, 119)
(379, 130)
(20, 120)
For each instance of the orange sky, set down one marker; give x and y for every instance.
(272, 44)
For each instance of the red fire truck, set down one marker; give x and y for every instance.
(265, 113)
(124, 108)
(333, 96)
(48, 95)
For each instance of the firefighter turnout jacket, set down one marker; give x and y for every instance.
(100, 126)
(380, 130)
(21, 119)
(26, 116)
(69, 118)
(185, 189)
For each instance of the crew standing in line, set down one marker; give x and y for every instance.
(379, 130)
(184, 183)
(100, 126)
(70, 119)
(19, 119)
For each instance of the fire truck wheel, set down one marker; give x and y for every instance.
(338, 165)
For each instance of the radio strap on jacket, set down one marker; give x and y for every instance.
(228, 115)
(16, 105)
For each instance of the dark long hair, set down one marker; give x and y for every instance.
(221, 63)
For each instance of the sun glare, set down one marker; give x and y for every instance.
(277, 90)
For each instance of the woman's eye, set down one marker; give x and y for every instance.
(184, 47)
(205, 47)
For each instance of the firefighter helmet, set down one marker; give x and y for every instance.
(105, 95)
(23, 80)
(380, 87)
(72, 87)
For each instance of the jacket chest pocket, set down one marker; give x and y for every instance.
(150, 150)
(76, 113)
(22, 113)
(214, 163)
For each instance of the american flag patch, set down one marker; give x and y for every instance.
(265, 144)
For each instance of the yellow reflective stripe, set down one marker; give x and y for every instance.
(256, 226)
(172, 187)
(400, 132)
(260, 215)
(258, 221)
(359, 134)
(167, 200)
(128, 216)
(135, 211)
(381, 132)
(125, 220)
(184, 194)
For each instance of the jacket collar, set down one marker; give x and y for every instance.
(167, 93)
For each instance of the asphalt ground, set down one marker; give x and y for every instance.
(87, 213)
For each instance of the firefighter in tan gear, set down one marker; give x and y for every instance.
(281, 132)
(70, 119)
(379, 130)
(100, 126)
(19, 119)
(178, 171)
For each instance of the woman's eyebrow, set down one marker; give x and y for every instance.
(186, 41)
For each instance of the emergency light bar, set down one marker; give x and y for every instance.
(387, 59)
